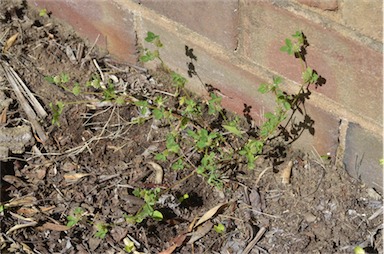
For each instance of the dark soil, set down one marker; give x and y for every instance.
(97, 157)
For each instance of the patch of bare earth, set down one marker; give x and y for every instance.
(97, 157)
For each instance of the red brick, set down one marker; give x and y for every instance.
(365, 17)
(326, 5)
(326, 131)
(115, 27)
(353, 71)
(217, 20)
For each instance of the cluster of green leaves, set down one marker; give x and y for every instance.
(189, 128)
(78, 214)
(147, 210)
(94, 86)
(155, 54)
(101, 230)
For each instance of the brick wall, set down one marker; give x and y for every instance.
(237, 44)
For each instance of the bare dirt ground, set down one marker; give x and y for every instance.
(97, 157)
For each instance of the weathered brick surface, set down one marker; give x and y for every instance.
(364, 16)
(363, 150)
(326, 5)
(353, 72)
(217, 20)
(114, 26)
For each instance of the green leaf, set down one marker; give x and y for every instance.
(300, 37)
(182, 100)
(120, 100)
(158, 114)
(64, 78)
(193, 134)
(161, 157)
(184, 197)
(102, 230)
(76, 90)
(358, 250)
(298, 34)
(157, 215)
(129, 245)
(72, 221)
(178, 80)
(171, 144)
(178, 165)
(277, 80)
(309, 76)
(219, 228)
(233, 129)
(141, 103)
(160, 101)
(156, 54)
(49, 79)
(57, 110)
(149, 56)
(264, 88)
(286, 105)
(56, 80)
(314, 78)
(78, 211)
(151, 36)
(214, 104)
(43, 12)
(287, 47)
(269, 115)
(158, 43)
(109, 93)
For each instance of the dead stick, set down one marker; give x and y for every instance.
(25, 105)
(252, 243)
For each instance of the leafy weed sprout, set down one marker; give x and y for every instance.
(200, 138)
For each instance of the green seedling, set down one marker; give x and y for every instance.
(203, 139)
(77, 215)
(102, 230)
(152, 55)
(233, 127)
(358, 250)
(184, 197)
(150, 198)
(57, 110)
(219, 228)
(295, 46)
(106, 93)
(251, 151)
(129, 246)
(59, 80)
(43, 12)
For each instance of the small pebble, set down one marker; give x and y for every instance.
(309, 217)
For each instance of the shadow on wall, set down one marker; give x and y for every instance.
(297, 122)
